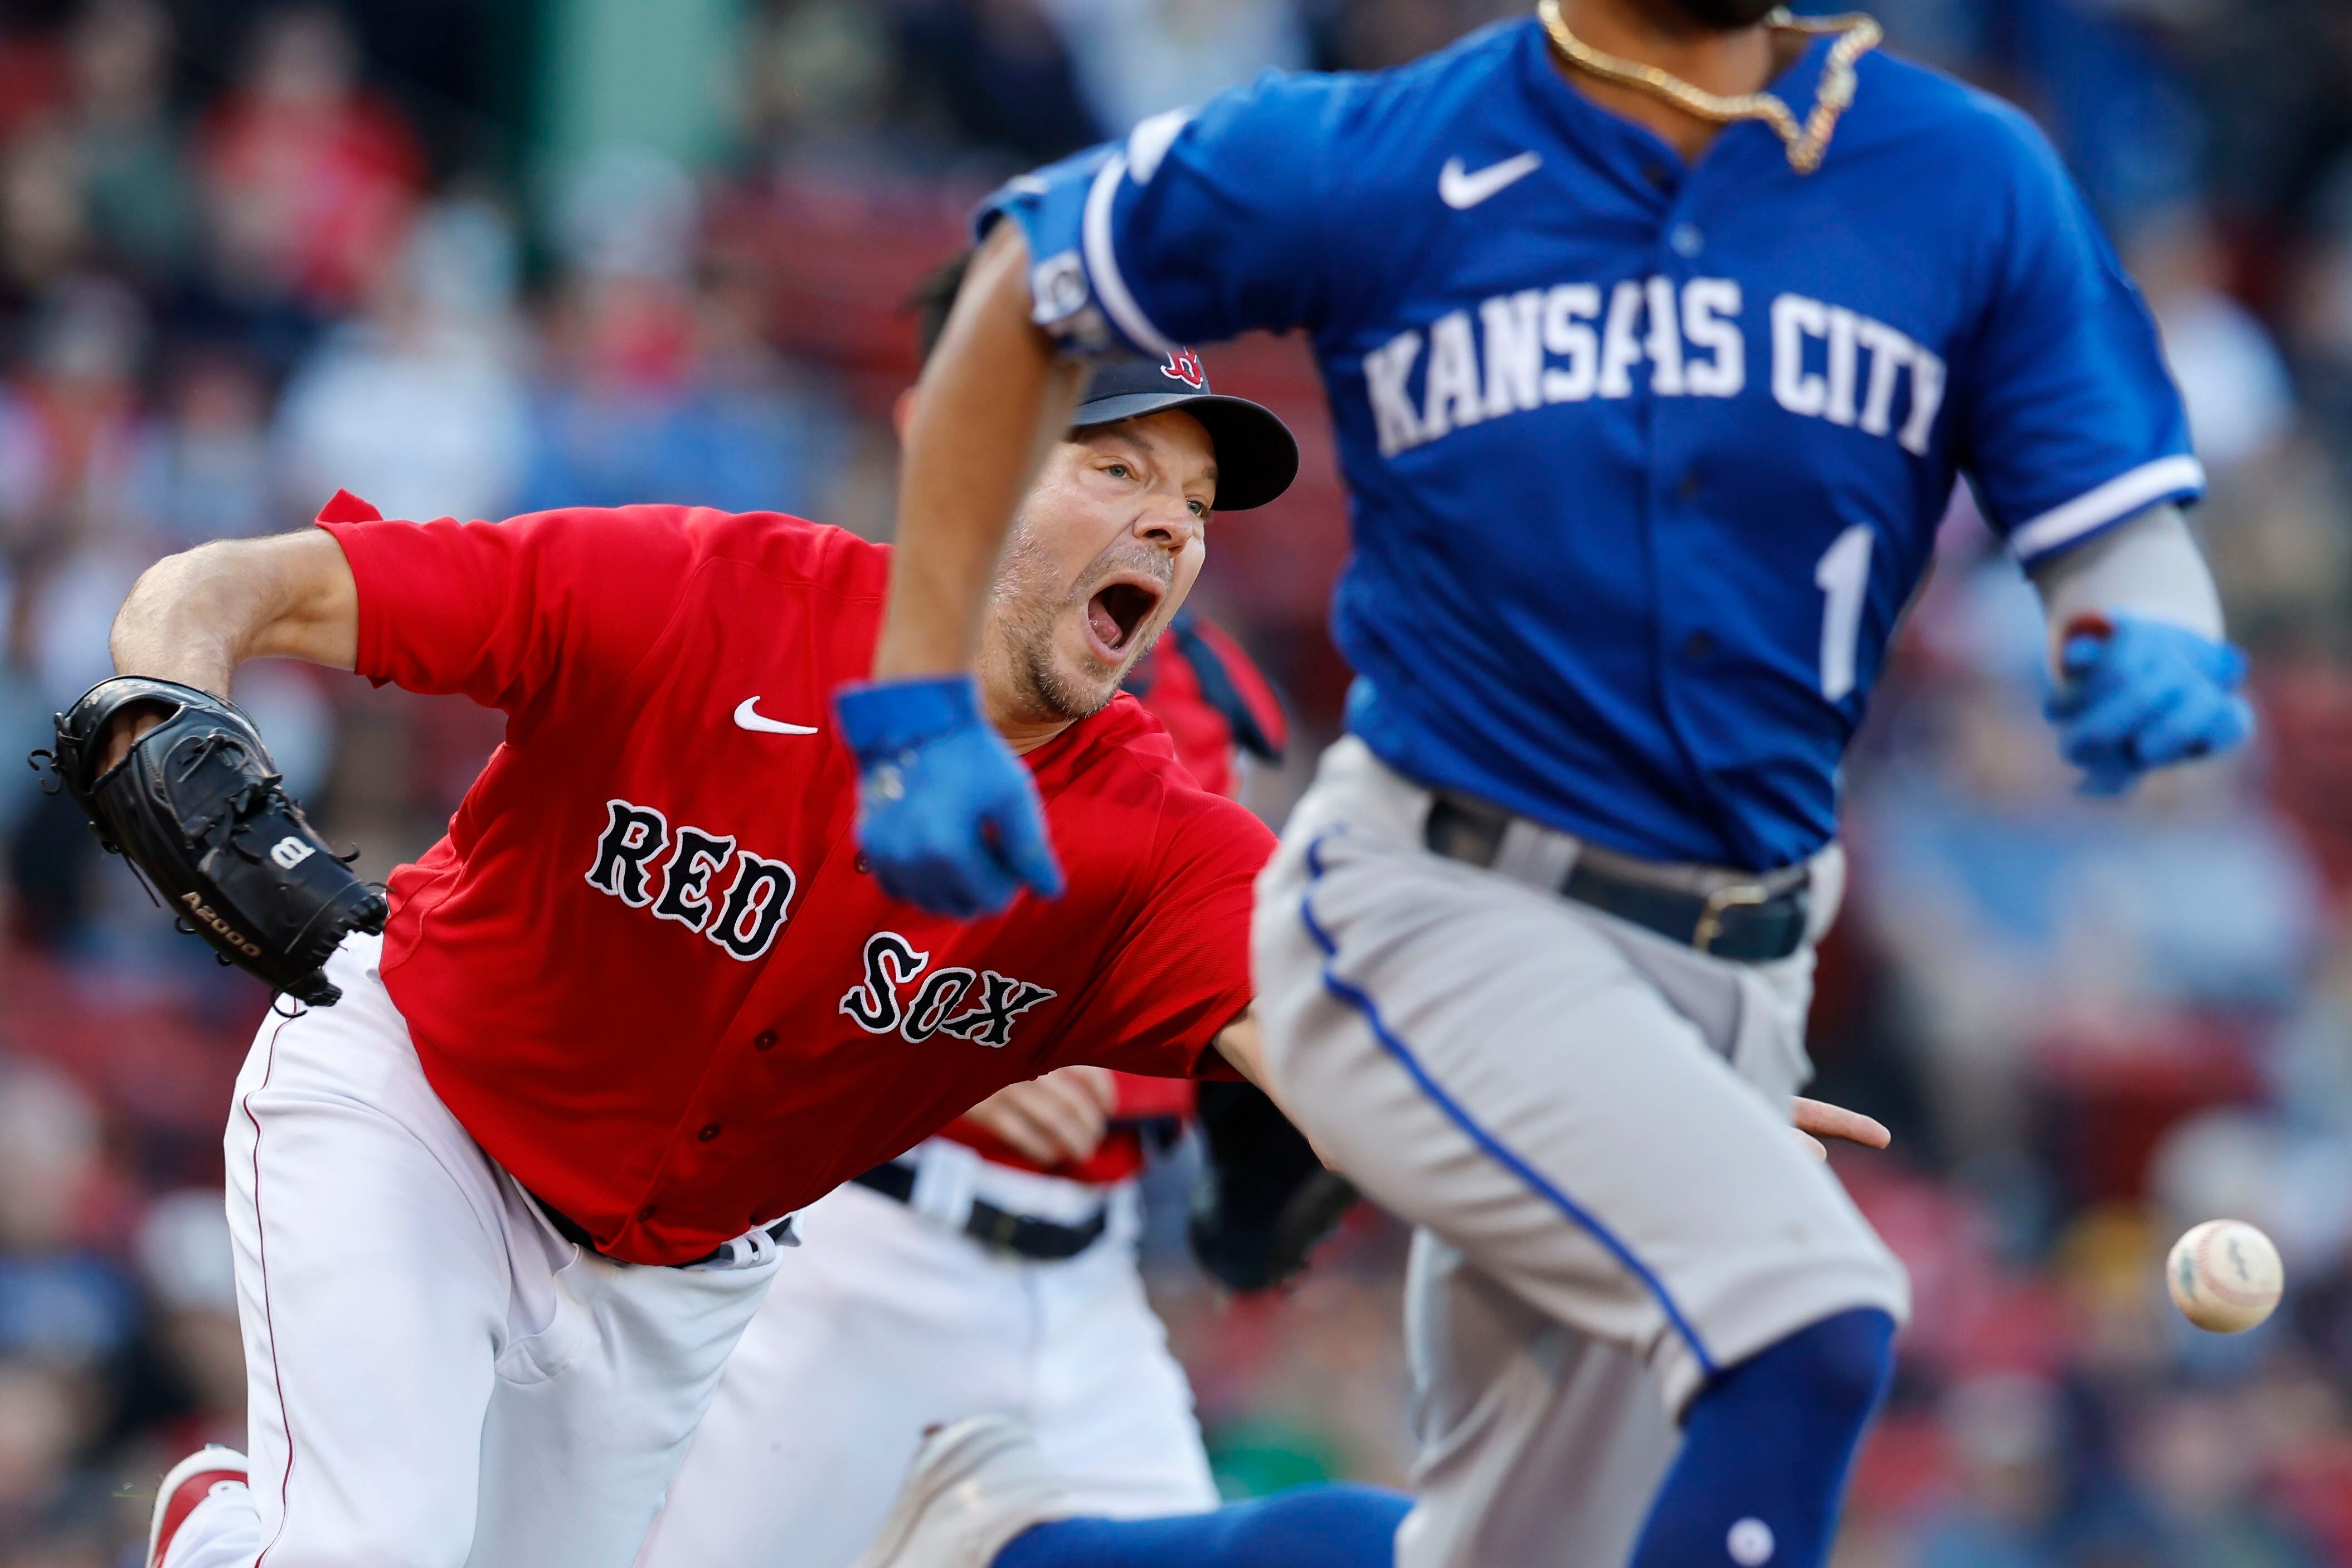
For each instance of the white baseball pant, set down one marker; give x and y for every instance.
(436, 1379)
(890, 1320)
(1589, 1126)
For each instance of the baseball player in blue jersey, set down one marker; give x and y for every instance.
(1656, 333)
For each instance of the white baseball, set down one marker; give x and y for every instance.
(2224, 1276)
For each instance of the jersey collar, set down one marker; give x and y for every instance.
(1121, 721)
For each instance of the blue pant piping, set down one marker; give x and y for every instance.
(1359, 1000)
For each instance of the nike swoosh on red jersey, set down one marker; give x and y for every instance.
(746, 717)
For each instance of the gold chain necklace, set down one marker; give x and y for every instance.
(1858, 36)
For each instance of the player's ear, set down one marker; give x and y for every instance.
(902, 413)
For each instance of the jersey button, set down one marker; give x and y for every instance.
(646, 1213)
(862, 864)
(1698, 647)
(710, 1131)
(764, 1041)
(1687, 241)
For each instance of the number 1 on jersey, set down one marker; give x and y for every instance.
(1843, 575)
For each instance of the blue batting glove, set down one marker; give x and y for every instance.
(949, 818)
(2139, 694)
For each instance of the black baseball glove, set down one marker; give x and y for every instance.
(199, 810)
(1264, 1201)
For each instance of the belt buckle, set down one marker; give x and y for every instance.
(998, 1238)
(1721, 901)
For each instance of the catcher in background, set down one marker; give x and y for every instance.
(992, 1271)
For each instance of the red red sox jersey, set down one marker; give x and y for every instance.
(644, 968)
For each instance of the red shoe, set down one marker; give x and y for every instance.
(186, 1484)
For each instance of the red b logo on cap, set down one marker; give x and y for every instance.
(1185, 365)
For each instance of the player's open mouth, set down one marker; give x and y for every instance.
(1117, 611)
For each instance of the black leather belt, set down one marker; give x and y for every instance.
(1738, 916)
(1039, 1240)
(571, 1230)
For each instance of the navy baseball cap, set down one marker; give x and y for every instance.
(1257, 458)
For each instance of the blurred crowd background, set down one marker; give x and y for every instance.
(480, 256)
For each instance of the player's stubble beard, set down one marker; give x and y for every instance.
(1026, 606)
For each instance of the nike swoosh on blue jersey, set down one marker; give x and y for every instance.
(1461, 190)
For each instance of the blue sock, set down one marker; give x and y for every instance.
(1766, 1447)
(1314, 1527)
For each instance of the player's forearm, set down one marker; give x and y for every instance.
(2149, 567)
(195, 617)
(1242, 1045)
(993, 401)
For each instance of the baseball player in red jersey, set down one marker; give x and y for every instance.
(992, 1269)
(502, 1212)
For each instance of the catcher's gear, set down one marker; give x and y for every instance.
(197, 808)
(1264, 1201)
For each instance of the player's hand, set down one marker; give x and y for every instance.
(1054, 1120)
(2135, 695)
(947, 817)
(1817, 1119)
(124, 734)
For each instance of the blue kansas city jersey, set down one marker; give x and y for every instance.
(1646, 458)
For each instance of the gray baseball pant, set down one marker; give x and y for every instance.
(1587, 1123)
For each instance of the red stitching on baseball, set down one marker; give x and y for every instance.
(2213, 1281)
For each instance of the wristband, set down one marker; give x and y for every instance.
(883, 716)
